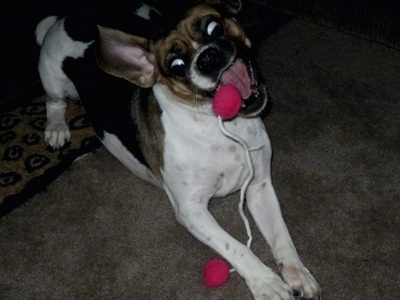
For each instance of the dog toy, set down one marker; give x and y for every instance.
(227, 101)
(215, 272)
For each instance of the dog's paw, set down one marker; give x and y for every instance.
(56, 135)
(269, 287)
(301, 282)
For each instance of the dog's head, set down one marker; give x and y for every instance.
(206, 49)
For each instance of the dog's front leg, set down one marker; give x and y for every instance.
(264, 207)
(192, 212)
(57, 131)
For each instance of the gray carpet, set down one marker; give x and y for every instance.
(98, 232)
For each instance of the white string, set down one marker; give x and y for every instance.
(248, 179)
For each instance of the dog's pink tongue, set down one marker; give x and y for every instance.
(238, 76)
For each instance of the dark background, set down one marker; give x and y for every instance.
(19, 52)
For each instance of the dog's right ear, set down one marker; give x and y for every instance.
(125, 56)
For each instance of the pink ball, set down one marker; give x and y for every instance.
(227, 101)
(215, 272)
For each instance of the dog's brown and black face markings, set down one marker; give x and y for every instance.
(206, 43)
(200, 26)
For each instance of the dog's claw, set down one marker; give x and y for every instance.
(270, 287)
(57, 135)
(303, 284)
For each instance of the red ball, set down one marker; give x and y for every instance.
(215, 272)
(227, 101)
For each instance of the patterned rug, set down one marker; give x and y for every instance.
(27, 164)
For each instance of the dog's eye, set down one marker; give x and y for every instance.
(215, 29)
(178, 67)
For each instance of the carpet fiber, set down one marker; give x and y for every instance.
(98, 232)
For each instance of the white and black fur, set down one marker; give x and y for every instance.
(149, 100)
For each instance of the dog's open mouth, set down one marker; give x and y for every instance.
(243, 76)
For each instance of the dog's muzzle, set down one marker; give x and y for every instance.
(224, 62)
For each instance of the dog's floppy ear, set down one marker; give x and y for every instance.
(123, 55)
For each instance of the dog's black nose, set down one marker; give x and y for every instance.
(209, 60)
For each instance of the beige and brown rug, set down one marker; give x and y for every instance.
(27, 164)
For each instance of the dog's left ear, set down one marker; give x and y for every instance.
(233, 6)
(125, 56)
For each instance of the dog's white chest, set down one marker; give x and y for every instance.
(197, 154)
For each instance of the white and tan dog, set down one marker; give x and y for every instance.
(150, 103)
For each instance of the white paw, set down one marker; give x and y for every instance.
(301, 282)
(269, 286)
(57, 134)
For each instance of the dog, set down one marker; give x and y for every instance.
(150, 103)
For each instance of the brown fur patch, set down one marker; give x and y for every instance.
(184, 41)
(147, 116)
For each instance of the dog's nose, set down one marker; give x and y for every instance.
(209, 60)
